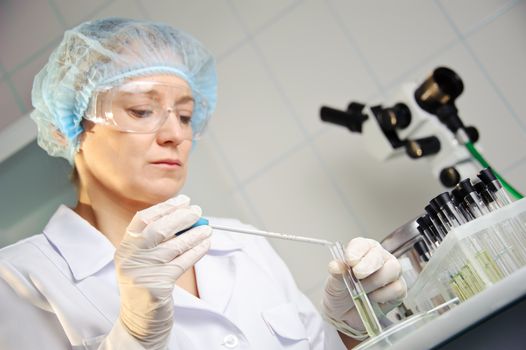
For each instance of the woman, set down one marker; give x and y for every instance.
(124, 101)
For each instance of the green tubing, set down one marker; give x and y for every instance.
(471, 148)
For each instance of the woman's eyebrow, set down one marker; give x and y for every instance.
(155, 93)
(186, 98)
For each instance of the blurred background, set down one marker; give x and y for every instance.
(267, 159)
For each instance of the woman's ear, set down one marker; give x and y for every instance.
(87, 126)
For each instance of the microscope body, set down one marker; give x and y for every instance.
(448, 154)
(419, 121)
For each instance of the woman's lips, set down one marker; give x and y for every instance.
(167, 163)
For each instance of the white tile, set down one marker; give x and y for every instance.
(210, 185)
(296, 197)
(383, 195)
(8, 106)
(468, 17)
(251, 123)
(313, 62)
(258, 13)
(75, 11)
(208, 182)
(23, 77)
(501, 48)
(210, 21)
(121, 8)
(515, 177)
(25, 27)
(394, 35)
(246, 212)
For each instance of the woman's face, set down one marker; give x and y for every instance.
(143, 167)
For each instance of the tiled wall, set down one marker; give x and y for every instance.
(267, 158)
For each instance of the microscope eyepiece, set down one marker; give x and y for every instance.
(441, 88)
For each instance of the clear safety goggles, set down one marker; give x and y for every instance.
(145, 106)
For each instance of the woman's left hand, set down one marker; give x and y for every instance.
(380, 274)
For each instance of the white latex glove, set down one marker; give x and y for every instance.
(380, 275)
(150, 259)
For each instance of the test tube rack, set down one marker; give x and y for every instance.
(468, 260)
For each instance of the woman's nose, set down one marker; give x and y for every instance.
(172, 130)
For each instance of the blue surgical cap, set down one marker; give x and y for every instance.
(108, 52)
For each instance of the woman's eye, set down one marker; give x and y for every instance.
(186, 120)
(140, 113)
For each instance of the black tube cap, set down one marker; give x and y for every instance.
(487, 176)
(422, 222)
(483, 192)
(442, 199)
(466, 186)
(430, 210)
(457, 195)
(421, 249)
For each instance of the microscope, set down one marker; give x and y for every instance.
(421, 121)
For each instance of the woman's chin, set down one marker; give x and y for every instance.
(152, 192)
(158, 197)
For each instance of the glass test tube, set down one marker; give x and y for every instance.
(518, 228)
(494, 185)
(357, 292)
(428, 238)
(454, 219)
(493, 239)
(437, 224)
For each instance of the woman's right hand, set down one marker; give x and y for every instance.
(148, 262)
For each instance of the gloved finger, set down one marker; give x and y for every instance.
(188, 259)
(394, 291)
(371, 262)
(358, 248)
(335, 287)
(167, 226)
(389, 272)
(144, 217)
(336, 268)
(172, 248)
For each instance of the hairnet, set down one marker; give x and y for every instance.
(110, 51)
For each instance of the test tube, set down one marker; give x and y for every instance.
(490, 239)
(437, 224)
(488, 197)
(472, 200)
(457, 195)
(512, 229)
(357, 292)
(494, 185)
(467, 271)
(452, 217)
(428, 238)
(423, 252)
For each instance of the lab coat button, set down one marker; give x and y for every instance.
(230, 341)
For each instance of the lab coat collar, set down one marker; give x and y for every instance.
(85, 249)
(222, 243)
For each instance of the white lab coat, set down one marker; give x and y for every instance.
(58, 290)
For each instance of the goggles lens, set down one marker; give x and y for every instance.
(144, 107)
